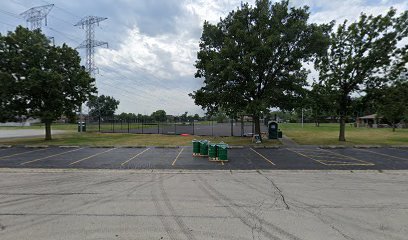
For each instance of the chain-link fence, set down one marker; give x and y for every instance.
(141, 126)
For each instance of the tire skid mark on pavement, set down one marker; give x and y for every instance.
(160, 212)
(223, 200)
(183, 227)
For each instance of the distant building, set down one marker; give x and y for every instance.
(370, 121)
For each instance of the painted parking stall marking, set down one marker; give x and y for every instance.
(329, 158)
(130, 159)
(178, 155)
(17, 154)
(382, 154)
(262, 156)
(58, 154)
(83, 159)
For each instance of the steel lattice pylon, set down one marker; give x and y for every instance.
(88, 23)
(35, 15)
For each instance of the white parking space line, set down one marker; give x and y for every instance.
(17, 154)
(174, 162)
(349, 157)
(39, 159)
(130, 159)
(262, 156)
(83, 159)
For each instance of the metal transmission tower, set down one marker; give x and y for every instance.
(36, 15)
(88, 23)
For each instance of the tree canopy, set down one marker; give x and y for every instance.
(363, 54)
(159, 116)
(40, 80)
(102, 106)
(252, 60)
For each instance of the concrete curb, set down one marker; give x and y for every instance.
(68, 146)
(366, 146)
(333, 146)
(36, 146)
(167, 147)
(400, 146)
(138, 146)
(5, 146)
(104, 146)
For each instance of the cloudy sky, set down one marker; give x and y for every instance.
(149, 64)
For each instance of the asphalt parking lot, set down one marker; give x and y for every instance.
(246, 158)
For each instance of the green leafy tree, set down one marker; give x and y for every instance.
(319, 103)
(252, 60)
(103, 106)
(40, 80)
(392, 103)
(362, 54)
(159, 116)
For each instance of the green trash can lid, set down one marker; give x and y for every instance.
(195, 140)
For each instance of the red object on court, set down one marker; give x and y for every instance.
(185, 134)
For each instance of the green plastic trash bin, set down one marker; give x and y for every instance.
(83, 125)
(204, 148)
(212, 151)
(222, 152)
(279, 134)
(196, 147)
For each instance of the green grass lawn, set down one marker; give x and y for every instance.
(124, 139)
(327, 134)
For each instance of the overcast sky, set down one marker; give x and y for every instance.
(149, 64)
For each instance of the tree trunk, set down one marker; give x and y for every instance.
(257, 125)
(393, 126)
(342, 135)
(47, 130)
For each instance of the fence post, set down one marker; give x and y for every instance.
(142, 125)
(113, 125)
(232, 127)
(175, 129)
(99, 123)
(212, 127)
(158, 127)
(193, 127)
(128, 122)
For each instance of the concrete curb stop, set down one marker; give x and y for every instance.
(102, 146)
(400, 146)
(235, 147)
(5, 146)
(267, 147)
(136, 146)
(167, 147)
(68, 146)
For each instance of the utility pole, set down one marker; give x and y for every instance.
(88, 23)
(36, 15)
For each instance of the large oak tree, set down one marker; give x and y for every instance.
(40, 80)
(253, 59)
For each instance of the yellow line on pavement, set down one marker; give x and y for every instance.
(16, 154)
(39, 159)
(174, 162)
(130, 159)
(383, 154)
(83, 159)
(262, 156)
(353, 158)
(303, 155)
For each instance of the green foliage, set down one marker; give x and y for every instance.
(252, 60)
(363, 54)
(392, 103)
(159, 116)
(40, 80)
(126, 116)
(104, 106)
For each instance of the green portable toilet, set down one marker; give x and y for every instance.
(273, 130)
(222, 152)
(204, 148)
(196, 147)
(212, 151)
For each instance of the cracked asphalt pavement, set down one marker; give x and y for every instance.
(182, 204)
